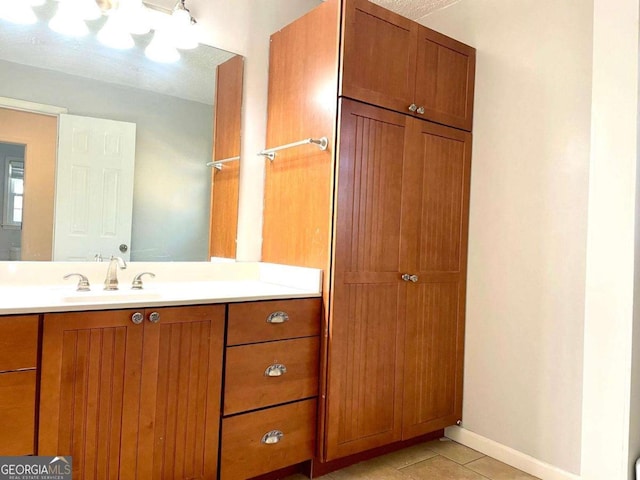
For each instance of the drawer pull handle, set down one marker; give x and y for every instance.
(137, 318)
(275, 370)
(277, 317)
(274, 436)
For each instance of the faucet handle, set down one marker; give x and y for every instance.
(137, 280)
(83, 282)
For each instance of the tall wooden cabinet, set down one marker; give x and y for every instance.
(133, 393)
(392, 193)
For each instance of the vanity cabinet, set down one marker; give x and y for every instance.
(391, 61)
(385, 214)
(271, 386)
(133, 393)
(18, 373)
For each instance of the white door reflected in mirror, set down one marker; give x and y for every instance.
(94, 188)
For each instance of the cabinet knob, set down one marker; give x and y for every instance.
(154, 317)
(409, 278)
(413, 107)
(275, 370)
(274, 436)
(277, 317)
(420, 110)
(137, 318)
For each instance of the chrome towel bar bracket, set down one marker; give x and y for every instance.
(270, 153)
(218, 163)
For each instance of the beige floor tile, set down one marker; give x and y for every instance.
(407, 456)
(495, 470)
(454, 451)
(371, 470)
(440, 468)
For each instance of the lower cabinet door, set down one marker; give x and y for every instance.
(267, 440)
(133, 399)
(90, 392)
(17, 413)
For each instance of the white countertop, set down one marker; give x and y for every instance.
(35, 287)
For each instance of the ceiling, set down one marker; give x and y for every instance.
(414, 9)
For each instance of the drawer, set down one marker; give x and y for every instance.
(246, 455)
(247, 384)
(18, 342)
(251, 322)
(17, 413)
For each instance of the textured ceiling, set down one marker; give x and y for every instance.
(414, 9)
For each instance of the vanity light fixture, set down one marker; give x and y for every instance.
(115, 33)
(71, 15)
(184, 27)
(174, 32)
(162, 48)
(173, 29)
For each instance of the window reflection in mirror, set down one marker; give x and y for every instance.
(11, 193)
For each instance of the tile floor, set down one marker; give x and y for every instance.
(435, 460)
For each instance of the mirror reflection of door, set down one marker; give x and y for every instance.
(94, 188)
(34, 136)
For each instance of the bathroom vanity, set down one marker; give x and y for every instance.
(130, 383)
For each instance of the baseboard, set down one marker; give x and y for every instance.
(508, 455)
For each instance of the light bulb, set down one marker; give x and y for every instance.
(114, 33)
(87, 9)
(135, 16)
(67, 21)
(184, 30)
(161, 48)
(17, 11)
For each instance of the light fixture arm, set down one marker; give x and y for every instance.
(181, 6)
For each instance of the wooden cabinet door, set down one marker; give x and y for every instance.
(434, 248)
(90, 392)
(180, 412)
(445, 76)
(364, 408)
(133, 401)
(379, 56)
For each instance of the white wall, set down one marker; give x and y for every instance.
(528, 222)
(611, 432)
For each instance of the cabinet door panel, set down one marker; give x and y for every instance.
(17, 413)
(445, 76)
(437, 170)
(90, 392)
(379, 56)
(364, 383)
(182, 378)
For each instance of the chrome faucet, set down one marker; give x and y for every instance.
(111, 282)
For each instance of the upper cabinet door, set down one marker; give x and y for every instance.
(444, 79)
(395, 63)
(379, 56)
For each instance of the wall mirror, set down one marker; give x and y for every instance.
(173, 107)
